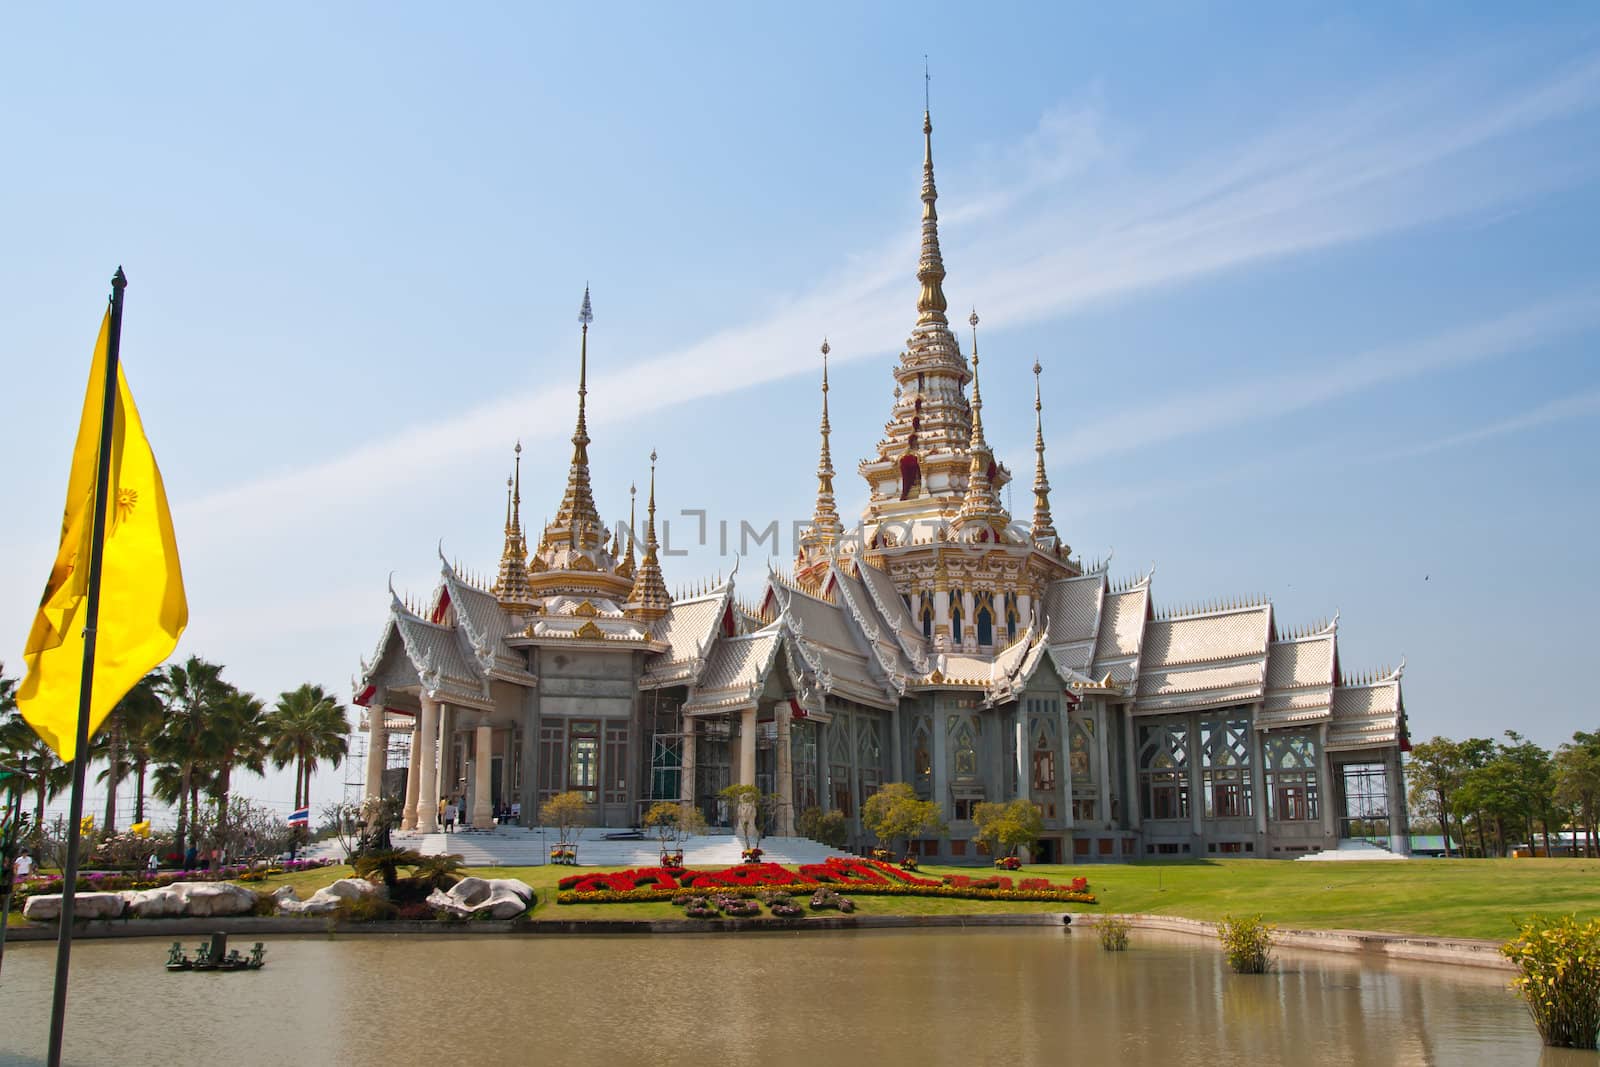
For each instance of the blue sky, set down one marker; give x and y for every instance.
(1316, 292)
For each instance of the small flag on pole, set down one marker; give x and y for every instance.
(300, 817)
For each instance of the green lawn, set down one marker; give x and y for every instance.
(1450, 898)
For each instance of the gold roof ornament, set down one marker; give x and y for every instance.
(511, 586)
(982, 503)
(578, 515)
(1044, 530)
(826, 529)
(626, 564)
(649, 599)
(930, 267)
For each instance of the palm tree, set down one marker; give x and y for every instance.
(237, 738)
(124, 736)
(192, 692)
(25, 752)
(305, 728)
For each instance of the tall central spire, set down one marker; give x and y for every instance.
(930, 268)
(578, 521)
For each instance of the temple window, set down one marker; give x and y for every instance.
(922, 757)
(869, 756)
(803, 749)
(1293, 793)
(839, 766)
(552, 759)
(1012, 618)
(583, 759)
(1225, 767)
(985, 626)
(616, 764)
(964, 749)
(1164, 770)
(927, 616)
(955, 614)
(1366, 799)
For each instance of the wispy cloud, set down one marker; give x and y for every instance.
(1054, 238)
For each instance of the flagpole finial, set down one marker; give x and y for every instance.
(119, 280)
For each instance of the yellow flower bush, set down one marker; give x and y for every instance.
(1558, 974)
(1247, 942)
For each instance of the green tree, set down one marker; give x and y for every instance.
(673, 822)
(30, 757)
(306, 727)
(1436, 769)
(755, 813)
(1577, 783)
(567, 812)
(236, 739)
(895, 812)
(192, 691)
(1008, 827)
(124, 743)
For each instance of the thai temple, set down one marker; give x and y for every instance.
(941, 642)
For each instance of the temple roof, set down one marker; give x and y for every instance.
(688, 629)
(1368, 714)
(736, 672)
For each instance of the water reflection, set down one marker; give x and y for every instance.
(929, 997)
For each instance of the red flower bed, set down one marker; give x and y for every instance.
(858, 875)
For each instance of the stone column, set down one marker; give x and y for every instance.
(941, 611)
(1069, 820)
(686, 777)
(1197, 797)
(426, 760)
(785, 769)
(408, 814)
(1399, 817)
(1330, 832)
(747, 746)
(1102, 738)
(482, 760)
(897, 765)
(1258, 780)
(449, 715)
(1135, 795)
(1019, 731)
(1024, 611)
(941, 757)
(969, 620)
(377, 748)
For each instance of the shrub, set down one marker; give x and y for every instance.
(826, 827)
(1558, 974)
(1247, 942)
(416, 911)
(367, 909)
(1113, 931)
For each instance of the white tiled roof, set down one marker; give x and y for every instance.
(1122, 622)
(736, 671)
(1302, 662)
(688, 628)
(1072, 607)
(1366, 716)
(1206, 638)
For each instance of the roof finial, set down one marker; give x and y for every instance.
(626, 567)
(826, 529)
(930, 268)
(649, 599)
(578, 513)
(1044, 531)
(977, 398)
(511, 582)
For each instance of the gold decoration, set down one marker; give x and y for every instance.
(586, 610)
(589, 631)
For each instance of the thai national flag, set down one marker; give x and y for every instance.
(301, 817)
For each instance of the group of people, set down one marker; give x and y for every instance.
(453, 810)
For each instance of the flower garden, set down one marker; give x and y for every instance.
(861, 877)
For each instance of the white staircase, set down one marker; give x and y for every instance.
(515, 846)
(1351, 849)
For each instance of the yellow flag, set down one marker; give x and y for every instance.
(142, 606)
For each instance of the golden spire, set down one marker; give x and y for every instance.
(981, 504)
(825, 524)
(649, 599)
(1044, 531)
(511, 583)
(578, 516)
(626, 566)
(930, 268)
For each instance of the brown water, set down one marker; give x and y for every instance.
(1017, 996)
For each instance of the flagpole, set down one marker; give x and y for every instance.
(80, 757)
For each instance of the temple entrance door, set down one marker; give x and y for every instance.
(713, 773)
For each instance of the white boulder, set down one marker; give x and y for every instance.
(200, 899)
(499, 898)
(327, 899)
(47, 906)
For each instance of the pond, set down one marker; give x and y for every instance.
(1021, 995)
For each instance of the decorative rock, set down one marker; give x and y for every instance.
(204, 899)
(327, 899)
(499, 898)
(47, 906)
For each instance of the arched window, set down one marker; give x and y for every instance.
(927, 616)
(985, 626)
(910, 475)
(955, 614)
(1012, 619)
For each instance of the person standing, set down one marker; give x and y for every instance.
(23, 866)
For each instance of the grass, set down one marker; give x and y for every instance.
(1443, 898)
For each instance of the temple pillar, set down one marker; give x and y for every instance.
(941, 611)
(482, 761)
(969, 621)
(1102, 738)
(785, 770)
(1399, 818)
(1024, 611)
(747, 746)
(1258, 779)
(1330, 833)
(1019, 733)
(426, 760)
(377, 748)
(408, 813)
(1135, 796)
(686, 775)
(1197, 785)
